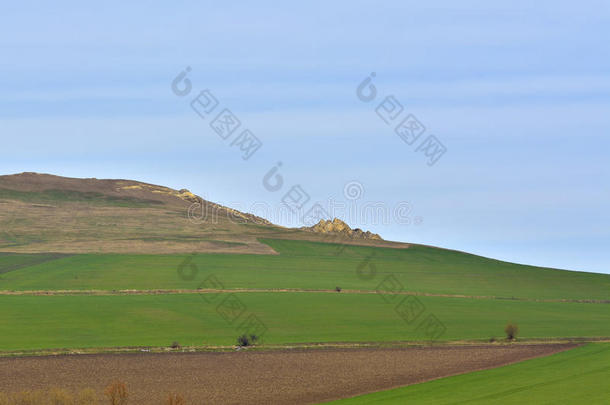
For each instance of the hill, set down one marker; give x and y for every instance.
(42, 213)
(101, 263)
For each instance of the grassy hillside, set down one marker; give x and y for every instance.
(577, 376)
(311, 265)
(28, 322)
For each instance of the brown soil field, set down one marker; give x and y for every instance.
(259, 377)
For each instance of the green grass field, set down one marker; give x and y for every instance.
(311, 265)
(35, 322)
(11, 262)
(577, 376)
(526, 295)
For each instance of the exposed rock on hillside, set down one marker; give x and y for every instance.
(336, 226)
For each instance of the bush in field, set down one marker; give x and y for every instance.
(338, 289)
(175, 399)
(245, 340)
(175, 345)
(511, 330)
(116, 393)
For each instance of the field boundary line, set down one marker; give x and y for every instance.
(285, 290)
(573, 342)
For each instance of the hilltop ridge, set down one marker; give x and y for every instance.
(54, 214)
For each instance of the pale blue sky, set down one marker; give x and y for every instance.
(519, 93)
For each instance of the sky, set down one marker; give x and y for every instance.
(517, 93)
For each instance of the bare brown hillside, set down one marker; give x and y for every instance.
(46, 213)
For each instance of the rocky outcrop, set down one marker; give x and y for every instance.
(338, 227)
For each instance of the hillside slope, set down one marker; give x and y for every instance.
(306, 266)
(42, 213)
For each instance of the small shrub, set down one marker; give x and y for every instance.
(175, 399)
(338, 289)
(511, 330)
(175, 345)
(492, 339)
(245, 340)
(116, 393)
